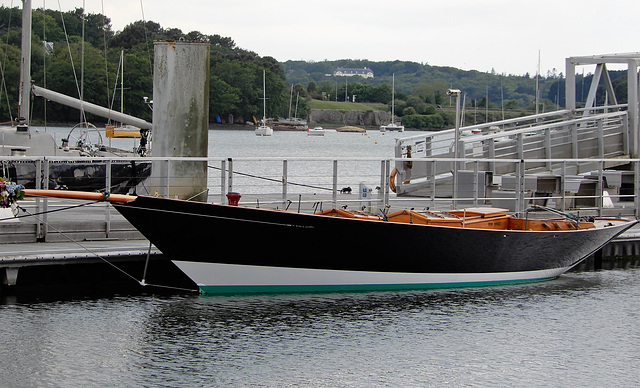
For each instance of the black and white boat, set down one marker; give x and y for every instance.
(231, 249)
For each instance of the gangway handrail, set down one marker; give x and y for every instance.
(542, 127)
(532, 120)
(559, 113)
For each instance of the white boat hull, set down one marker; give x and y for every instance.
(264, 131)
(216, 278)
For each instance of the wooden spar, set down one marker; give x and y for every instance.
(70, 194)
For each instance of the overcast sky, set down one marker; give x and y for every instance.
(505, 35)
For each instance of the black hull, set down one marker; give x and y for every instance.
(209, 233)
(83, 176)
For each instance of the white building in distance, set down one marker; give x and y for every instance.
(349, 71)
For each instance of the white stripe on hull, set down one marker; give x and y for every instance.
(231, 275)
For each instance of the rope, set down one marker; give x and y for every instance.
(97, 255)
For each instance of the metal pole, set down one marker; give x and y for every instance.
(230, 173)
(223, 180)
(456, 151)
(25, 65)
(107, 209)
(636, 197)
(284, 180)
(335, 184)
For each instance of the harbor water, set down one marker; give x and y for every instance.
(577, 330)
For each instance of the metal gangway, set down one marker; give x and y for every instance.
(554, 136)
(435, 161)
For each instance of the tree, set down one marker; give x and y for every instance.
(311, 87)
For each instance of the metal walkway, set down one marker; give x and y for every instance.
(567, 144)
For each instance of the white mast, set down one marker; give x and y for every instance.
(393, 97)
(537, 99)
(290, 101)
(25, 65)
(264, 98)
(121, 81)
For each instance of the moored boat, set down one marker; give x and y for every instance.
(316, 131)
(232, 249)
(392, 126)
(263, 129)
(19, 139)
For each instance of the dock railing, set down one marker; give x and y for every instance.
(587, 186)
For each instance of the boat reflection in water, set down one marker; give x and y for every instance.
(232, 249)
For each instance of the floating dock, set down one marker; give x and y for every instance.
(77, 258)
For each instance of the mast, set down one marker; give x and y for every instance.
(121, 81)
(291, 101)
(393, 97)
(537, 86)
(264, 98)
(25, 64)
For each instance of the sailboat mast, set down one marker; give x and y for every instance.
(121, 81)
(25, 65)
(264, 98)
(393, 97)
(291, 101)
(537, 86)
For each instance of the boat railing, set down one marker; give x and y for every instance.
(591, 186)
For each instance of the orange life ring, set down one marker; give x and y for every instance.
(392, 179)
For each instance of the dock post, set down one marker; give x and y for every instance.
(180, 118)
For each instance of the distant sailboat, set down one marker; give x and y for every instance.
(392, 126)
(263, 129)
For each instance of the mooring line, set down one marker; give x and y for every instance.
(142, 282)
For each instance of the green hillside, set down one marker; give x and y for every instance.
(236, 77)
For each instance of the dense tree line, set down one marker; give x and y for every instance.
(420, 88)
(235, 77)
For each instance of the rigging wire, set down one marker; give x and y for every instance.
(106, 64)
(82, 116)
(73, 68)
(4, 64)
(146, 38)
(44, 61)
(273, 179)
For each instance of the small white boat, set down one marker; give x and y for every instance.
(317, 131)
(392, 126)
(264, 129)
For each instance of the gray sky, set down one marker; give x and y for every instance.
(480, 35)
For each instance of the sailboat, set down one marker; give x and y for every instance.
(470, 247)
(392, 126)
(263, 129)
(20, 140)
